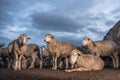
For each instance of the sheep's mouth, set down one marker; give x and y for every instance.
(84, 45)
(47, 42)
(24, 43)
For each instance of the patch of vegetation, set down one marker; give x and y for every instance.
(1, 45)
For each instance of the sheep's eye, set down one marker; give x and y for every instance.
(78, 54)
(88, 39)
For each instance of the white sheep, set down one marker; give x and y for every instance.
(85, 62)
(102, 48)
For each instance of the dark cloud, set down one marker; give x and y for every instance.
(116, 13)
(39, 17)
(96, 31)
(69, 6)
(70, 39)
(53, 22)
(109, 23)
(116, 10)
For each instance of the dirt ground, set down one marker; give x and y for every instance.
(49, 74)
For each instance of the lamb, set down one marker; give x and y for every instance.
(32, 51)
(102, 48)
(16, 49)
(46, 57)
(58, 49)
(85, 62)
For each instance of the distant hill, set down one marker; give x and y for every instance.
(114, 34)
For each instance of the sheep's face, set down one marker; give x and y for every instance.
(86, 41)
(43, 48)
(48, 38)
(23, 39)
(73, 56)
(45, 52)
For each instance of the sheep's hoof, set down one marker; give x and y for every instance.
(66, 67)
(40, 67)
(19, 69)
(68, 71)
(54, 68)
(31, 67)
(15, 69)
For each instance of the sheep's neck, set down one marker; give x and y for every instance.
(79, 60)
(20, 48)
(52, 45)
(91, 45)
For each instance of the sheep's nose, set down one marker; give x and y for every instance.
(44, 40)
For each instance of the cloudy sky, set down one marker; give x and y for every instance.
(67, 20)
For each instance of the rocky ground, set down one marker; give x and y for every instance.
(49, 74)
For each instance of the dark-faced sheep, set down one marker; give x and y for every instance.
(58, 49)
(85, 62)
(32, 52)
(102, 48)
(16, 49)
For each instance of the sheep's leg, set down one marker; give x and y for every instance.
(79, 69)
(85, 69)
(10, 62)
(61, 64)
(24, 63)
(53, 62)
(33, 62)
(116, 60)
(114, 63)
(66, 61)
(19, 62)
(41, 64)
(72, 66)
(16, 61)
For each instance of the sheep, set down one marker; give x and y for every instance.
(32, 51)
(102, 48)
(58, 49)
(16, 49)
(46, 57)
(4, 56)
(85, 62)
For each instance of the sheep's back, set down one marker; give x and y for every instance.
(65, 48)
(31, 48)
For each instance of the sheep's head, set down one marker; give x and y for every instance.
(48, 38)
(43, 48)
(45, 51)
(23, 39)
(86, 41)
(74, 55)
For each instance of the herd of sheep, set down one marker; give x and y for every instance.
(59, 55)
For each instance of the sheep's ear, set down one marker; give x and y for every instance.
(52, 36)
(79, 54)
(19, 37)
(88, 39)
(28, 38)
